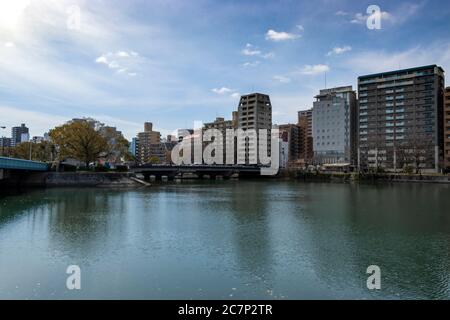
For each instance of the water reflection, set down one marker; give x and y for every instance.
(234, 239)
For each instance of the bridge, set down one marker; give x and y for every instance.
(8, 165)
(213, 171)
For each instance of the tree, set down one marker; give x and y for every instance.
(44, 151)
(154, 160)
(79, 140)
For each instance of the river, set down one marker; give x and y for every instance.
(227, 240)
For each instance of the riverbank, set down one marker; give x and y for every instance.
(371, 177)
(74, 179)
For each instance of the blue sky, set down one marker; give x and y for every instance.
(172, 62)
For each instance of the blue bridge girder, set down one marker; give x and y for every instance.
(22, 165)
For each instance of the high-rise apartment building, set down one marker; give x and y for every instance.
(305, 121)
(149, 145)
(19, 135)
(222, 125)
(254, 113)
(334, 126)
(294, 136)
(447, 128)
(401, 119)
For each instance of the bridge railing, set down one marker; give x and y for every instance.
(20, 164)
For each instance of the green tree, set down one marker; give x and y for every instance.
(79, 140)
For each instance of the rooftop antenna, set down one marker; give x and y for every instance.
(325, 79)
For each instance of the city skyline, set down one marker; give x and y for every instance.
(128, 63)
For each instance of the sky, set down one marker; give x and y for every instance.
(173, 62)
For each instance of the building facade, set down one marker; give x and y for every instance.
(292, 134)
(148, 145)
(254, 113)
(223, 125)
(19, 135)
(447, 129)
(334, 126)
(305, 121)
(133, 147)
(401, 119)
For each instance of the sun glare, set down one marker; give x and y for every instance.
(11, 12)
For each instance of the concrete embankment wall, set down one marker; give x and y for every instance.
(354, 177)
(72, 179)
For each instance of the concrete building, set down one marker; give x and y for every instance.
(254, 113)
(334, 126)
(292, 134)
(223, 125)
(305, 121)
(447, 129)
(149, 146)
(284, 149)
(5, 142)
(305, 118)
(19, 135)
(401, 119)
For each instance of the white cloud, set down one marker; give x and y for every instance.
(38, 122)
(221, 91)
(280, 36)
(314, 69)
(9, 44)
(342, 13)
(362, 63)
(224, 91)
(268, 55)
(250, 50)
(251, 64)
(300, 27)
(121, 61)
(360, 18)
(282, 79)
(339, 50)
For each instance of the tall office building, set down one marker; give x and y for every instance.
(133, 147)
(19, 135)
(149, 145)
(305, 120)
(334, 126)
(254, 113)
(401, 119)
(447, 129)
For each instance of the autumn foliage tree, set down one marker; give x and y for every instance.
(79, 140)
(44, 151)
